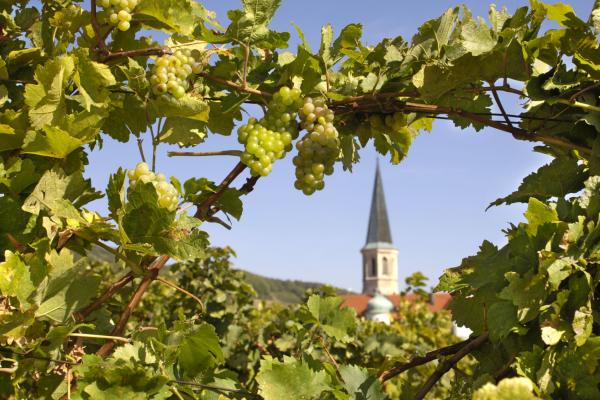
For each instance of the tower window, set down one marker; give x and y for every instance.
(386, 268)
(373, 270)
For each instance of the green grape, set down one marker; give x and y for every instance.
(119, 12)
(270, 138)
(123, 25)
(171, 73)
(167, 194)
(124, 16)
(318, 149)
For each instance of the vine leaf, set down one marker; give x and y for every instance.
(358, 382)
(250, 25)
(335, 322)
(290, 379)
(180, 16)
(46, 99)
(557, 179)
(538, 214)
(53, 142)
(59, 194)
(15, 279)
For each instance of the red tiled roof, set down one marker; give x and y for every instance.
(359, 302)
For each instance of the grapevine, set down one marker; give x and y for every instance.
(167, 194)
(75, 325)
(119, 12)
(268, 139)
(319, 149)
(171, 73)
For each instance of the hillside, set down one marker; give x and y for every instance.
(279, 290)
(271, 289)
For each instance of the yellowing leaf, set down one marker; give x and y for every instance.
(54, 142)
(46, 99)
(14, 278)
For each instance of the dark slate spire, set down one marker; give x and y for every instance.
(379, 225)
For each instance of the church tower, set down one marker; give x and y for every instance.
(380, 257)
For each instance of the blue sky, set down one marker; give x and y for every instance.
(436, 197)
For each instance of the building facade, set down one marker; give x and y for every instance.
(379, 256)
(380, 296)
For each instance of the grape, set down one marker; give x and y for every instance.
(167, 194)
(391, 124)
(270, 138)
(118, 12)
(171, 72)
(123, 25)
(318, 149)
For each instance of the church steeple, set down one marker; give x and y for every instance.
(380, 265)
(379, 225)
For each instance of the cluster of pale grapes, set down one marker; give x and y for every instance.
(268, 139)
(119, 12)
(391, 123)
(318, 150)
(171, 72)
(168, 197)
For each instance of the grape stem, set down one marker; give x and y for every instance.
(233, 85)
(578, 104)
(500, 106)
(153, 136)
(219, 221)
(236, 153)
(246, 58)
(93, 336)
(182, 290)
(326, 350)
(140, 141)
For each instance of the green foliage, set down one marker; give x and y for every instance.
(68, 80)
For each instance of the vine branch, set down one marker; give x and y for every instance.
(449, 363)
(204, 207)
(135, 299)
(106, 296)
(236, 153)
(96, 27)
(518, 133)
(234, 86)
(428, 357)
(218, 389)
(150, 51)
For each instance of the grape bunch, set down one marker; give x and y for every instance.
(391, 123)
(268, 139)
(318, 149)
(119, 12)
(168, 197)
(171, 72)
